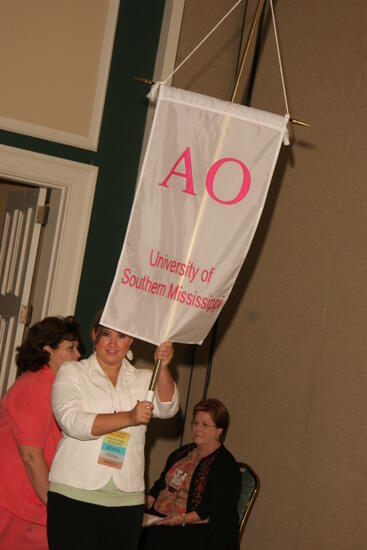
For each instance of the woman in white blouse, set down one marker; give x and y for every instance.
(96, 490)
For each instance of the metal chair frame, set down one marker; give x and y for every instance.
(243, 521)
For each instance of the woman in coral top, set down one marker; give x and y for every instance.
(29, 434)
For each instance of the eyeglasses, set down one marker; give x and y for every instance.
(203, 425)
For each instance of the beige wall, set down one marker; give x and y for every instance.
(291, 353)
(54, 62)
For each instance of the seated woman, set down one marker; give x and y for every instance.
(198, 490)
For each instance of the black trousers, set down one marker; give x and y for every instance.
(75, 525)
(163, 537)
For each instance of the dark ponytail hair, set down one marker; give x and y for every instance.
(31, 355)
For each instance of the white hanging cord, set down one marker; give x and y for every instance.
(202, 41)
(152, 95)
(279, 58)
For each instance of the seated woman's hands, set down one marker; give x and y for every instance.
(175, 519)
(182, 519)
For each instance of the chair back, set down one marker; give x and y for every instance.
(250, 485)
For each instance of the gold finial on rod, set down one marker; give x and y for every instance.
(300, 122)
(146, 81)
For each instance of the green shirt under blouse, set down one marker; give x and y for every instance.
(109, 495)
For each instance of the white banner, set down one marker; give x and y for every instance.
(201, 191)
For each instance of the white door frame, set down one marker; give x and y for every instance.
(76, 182)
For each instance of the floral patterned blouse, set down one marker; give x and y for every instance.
(173, 499)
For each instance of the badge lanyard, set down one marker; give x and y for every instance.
(114, 444)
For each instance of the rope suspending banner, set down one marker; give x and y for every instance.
(202, 41)
(152, 95)
(279, 57)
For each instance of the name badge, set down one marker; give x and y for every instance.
(113, 449)
(177, 480)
